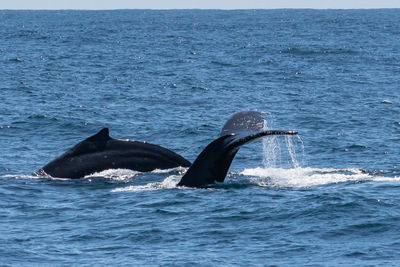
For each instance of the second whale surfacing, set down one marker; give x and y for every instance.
(101, 152)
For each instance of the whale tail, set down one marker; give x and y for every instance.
(214, 161)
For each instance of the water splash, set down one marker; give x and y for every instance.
(292, 147)
(278, 155)
(271, 149)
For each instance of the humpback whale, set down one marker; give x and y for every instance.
(214, 161)
(101, 152)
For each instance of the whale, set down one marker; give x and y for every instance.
(214, 161)
(101, 152)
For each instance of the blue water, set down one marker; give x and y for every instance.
(327, 197)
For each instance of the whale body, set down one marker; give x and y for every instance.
(101, 152)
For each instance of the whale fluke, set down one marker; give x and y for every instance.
(243, 121)
(214, 161)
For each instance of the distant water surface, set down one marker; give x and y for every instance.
(325, 198)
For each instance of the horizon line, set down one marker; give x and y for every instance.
(166, 9)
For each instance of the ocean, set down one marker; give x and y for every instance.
(327, 197)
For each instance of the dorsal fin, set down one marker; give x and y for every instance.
(244, 121)
(101, 136)
(95, 142)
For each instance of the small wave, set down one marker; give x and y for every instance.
(221, 63)
(386, 101)
(317, 51)
(168, 183)
(308, 177)
(20, 176)
(31, 176)
(15, 59)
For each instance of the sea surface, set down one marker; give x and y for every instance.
(327, 197)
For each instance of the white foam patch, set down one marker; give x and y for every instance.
(168, 183)
(125, 174)
(387, 101)
(177, 169)
(114, 174)
(307, 177)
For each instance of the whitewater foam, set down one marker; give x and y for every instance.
(114, 174)
(308, 177)
(168, 183)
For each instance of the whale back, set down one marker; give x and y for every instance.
(101, 152)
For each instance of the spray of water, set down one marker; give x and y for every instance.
(277, 154)
(284, 166)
